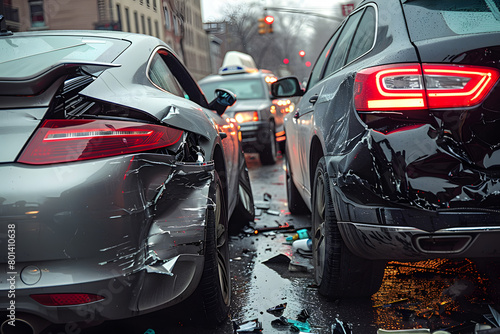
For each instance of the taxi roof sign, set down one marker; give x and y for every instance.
(237, 62)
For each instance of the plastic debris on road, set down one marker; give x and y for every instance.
(251, 326)
(338, 327)
(277, 310)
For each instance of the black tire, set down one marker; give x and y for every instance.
(338, 272)
(213, 294)
(268, 155)
(244, 212)
(296, 204)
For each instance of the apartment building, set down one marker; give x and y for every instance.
(177, 22)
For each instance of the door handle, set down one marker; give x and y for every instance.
(313, 99)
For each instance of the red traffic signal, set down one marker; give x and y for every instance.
(269, 19)
(302, 53)
(286, 61)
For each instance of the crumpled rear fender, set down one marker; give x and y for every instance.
(412, 163)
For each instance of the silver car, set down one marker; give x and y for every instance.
(117, 181)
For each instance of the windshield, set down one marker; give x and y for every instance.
(28, 56)
(245, 89)
(433, 19)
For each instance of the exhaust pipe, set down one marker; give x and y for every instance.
(24, 324)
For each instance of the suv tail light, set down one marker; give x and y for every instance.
(415, 86)
(73, 140)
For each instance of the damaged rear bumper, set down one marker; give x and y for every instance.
(402, 196)
(385, 242)
(130, 229)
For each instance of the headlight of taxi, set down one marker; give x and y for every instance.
(246, 116)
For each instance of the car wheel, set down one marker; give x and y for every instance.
(244, 212)
(338, 272)
(214, 290)
(296, 204)
(268, 154)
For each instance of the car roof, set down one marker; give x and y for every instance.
(256, 73)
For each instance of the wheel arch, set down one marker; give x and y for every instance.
(316, 153)
(220, 167)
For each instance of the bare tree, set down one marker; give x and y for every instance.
(268, 50)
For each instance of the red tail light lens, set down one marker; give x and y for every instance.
(73, 140)
(412, 86)
(64, 299)
(458, 86)
(391, 87)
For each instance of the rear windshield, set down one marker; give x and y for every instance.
(245, 89)
(27, 56)
(429, 19)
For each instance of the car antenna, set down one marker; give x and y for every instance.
(3, 29)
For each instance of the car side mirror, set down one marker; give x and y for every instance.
(286, 87)
(223, 99)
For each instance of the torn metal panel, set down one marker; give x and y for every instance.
(175, 111)
(424, 162)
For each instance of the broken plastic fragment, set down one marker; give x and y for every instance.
(165, 268)
(252, 326)
(277, 310)
(496, 316)
(339, 328)
(280, 322)
(303, 315)
(299, 326)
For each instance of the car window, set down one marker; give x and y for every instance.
(18, 53)
(245, 89)
(338, 56)
(162, 77)
(428, 19)
(317, 72)
(365, 35)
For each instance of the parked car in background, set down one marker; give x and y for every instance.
(259, 115)
(118, 180)
(394, 146)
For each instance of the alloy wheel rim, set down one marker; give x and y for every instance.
(319, 228)
(222, 255)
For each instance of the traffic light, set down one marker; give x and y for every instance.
(262, 26)
(266, 25)
(302, 53)
(269, 20)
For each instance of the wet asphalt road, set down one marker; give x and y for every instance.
(436, 294)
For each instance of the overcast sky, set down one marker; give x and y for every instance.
(212, 9)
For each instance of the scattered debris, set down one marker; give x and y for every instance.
(282, 228)
(281, 322)
(273, 212)
(301, 234)
(339, 328)
(262, 205)
(252, 326)
(277, 310)
(280, 258)
(494, 317)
